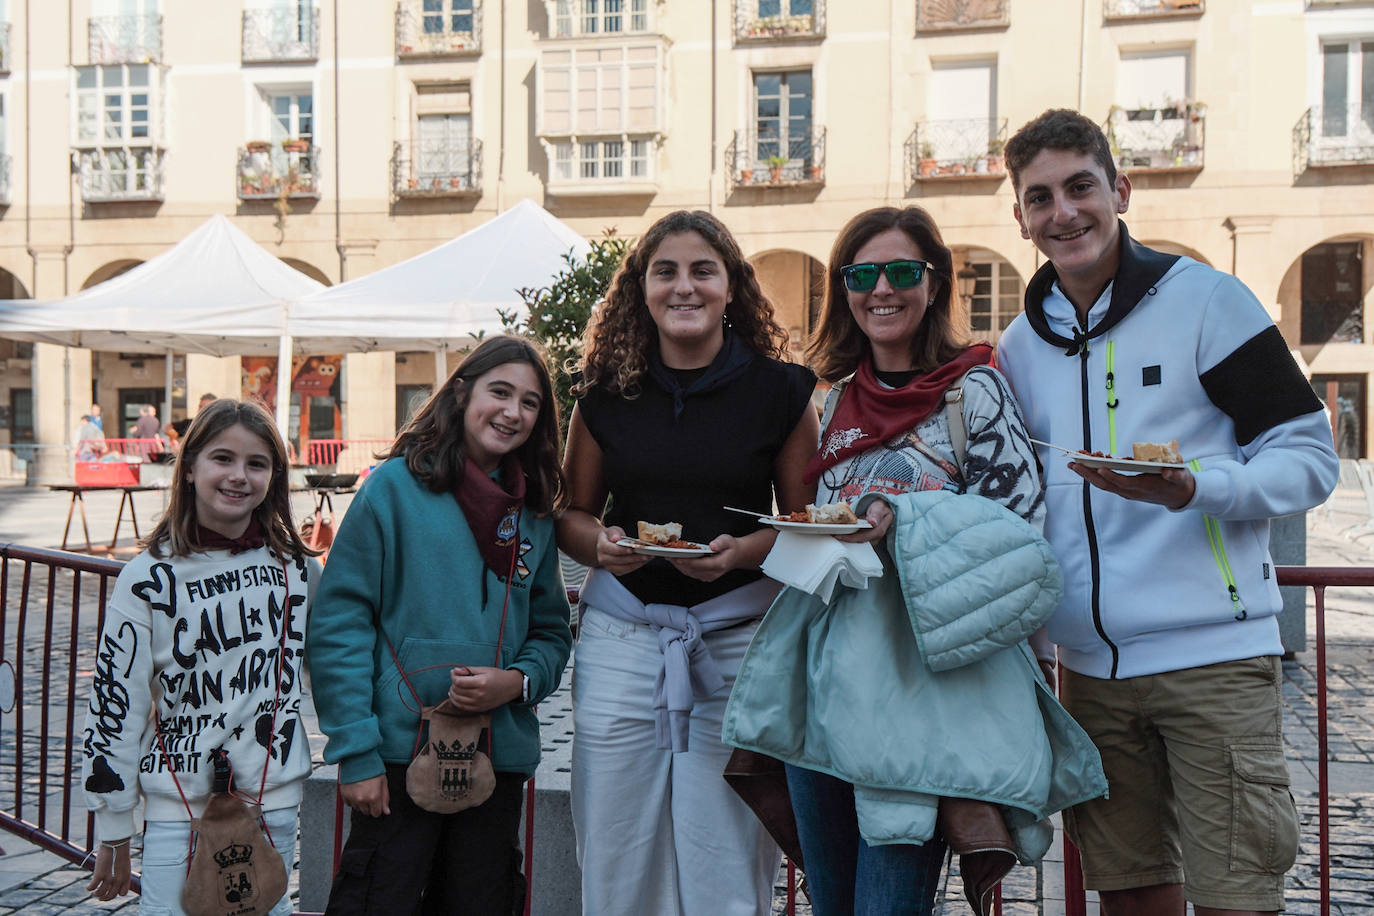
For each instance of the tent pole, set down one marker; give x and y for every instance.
(167, 388)
(284, 387)
(440, 366)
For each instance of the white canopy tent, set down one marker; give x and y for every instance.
(444, 298)
(216, 292)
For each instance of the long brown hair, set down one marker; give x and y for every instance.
(618, 338)
(432, 443)
(838, 344)
(177, 530)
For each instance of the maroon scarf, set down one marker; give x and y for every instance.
(492, 513)
(869, 414)
(251, 539)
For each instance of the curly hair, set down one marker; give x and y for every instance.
(432, 443)
(618, 338)
(177, 531)
(1058, 128)
(838, 344)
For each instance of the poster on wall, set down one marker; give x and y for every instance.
(259, 376)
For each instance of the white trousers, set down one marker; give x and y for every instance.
(163, 871)
(658, 832)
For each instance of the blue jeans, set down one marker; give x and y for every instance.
(844, 875)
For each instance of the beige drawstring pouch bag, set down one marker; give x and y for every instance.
(450, 774)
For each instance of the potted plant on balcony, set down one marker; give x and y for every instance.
(995, 154)
(295, 145)
(257, 146)
(927, 163)
(815, 172)
(775, 164)
(455, 182)
(746, 176)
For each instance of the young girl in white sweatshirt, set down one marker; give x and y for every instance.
(201, 649)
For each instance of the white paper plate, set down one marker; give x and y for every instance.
(653, 550)
(1130, 465)
(815, 527)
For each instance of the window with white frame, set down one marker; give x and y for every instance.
(447, 16)
(782, 116)
(292, 114)
(1153, 89)
(443, 146)
(600, 17)
(997, 294)
(961, 110)
(600, 111)
(1348, 90)
(115, 104)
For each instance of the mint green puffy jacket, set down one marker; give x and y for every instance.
(846, 689)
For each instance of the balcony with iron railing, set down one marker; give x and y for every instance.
(125, 39)
(4, 47)
(1151, 9)
(270, 171)
(966, 148)
(1165, 139)
(766, 161)
(760, 21)
(114, 174)
(436, 169)
(280, 34)
(1333, 137)
(599, 18)
(954, 15)
(422, 32)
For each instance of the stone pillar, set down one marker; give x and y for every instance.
(220, 376)
(1252, 261)
(1288, 547)
(61, 381)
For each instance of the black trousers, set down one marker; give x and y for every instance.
(414, 861)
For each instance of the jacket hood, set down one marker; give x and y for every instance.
(1139, 269)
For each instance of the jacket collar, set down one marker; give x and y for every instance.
(1138, 271)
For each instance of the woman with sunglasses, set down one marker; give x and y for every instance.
(890, 344)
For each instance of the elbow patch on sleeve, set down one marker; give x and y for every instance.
(1259, 386)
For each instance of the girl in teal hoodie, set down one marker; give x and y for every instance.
(443, 581)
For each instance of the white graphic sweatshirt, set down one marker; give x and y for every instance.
(198, 640)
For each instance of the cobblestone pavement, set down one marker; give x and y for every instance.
(33, 881)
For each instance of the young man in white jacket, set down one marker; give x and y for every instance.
(1167, 628)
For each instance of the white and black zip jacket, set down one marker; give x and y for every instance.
(1172, 349)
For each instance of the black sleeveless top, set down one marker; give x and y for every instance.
(675, 455)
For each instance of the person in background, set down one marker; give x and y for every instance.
(88, 440)
(685, 405)
(177, 428)
(443, 581)
(226, 538)
(1166, 631)
(96, 419)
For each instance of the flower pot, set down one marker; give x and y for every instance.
(994, 162)
(927, 166)
(815, 172)
(413, 183)
(436, 184)
(294, 146)
(775, 173)
(746, 176)
(257, 146)
(455, 182)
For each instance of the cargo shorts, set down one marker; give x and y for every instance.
(1198, 786)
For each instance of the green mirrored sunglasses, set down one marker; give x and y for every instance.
(861, 278)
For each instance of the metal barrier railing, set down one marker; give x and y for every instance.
(48, 641)
(348, 456)
(46, 597)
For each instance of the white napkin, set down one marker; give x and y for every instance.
(814, 563)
